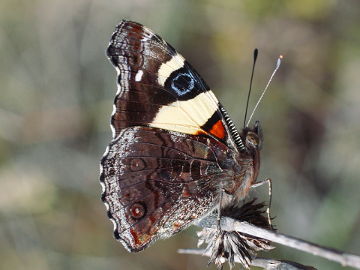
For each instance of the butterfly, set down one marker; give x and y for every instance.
(174, 149)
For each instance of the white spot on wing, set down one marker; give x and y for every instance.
(118, 90)
(101, 169)
(107, 206)
(114, 224)
(139, 75)
(106, 151)
(175, 63)
(112, 130)
(102, 186)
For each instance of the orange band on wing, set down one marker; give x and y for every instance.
(218, 130)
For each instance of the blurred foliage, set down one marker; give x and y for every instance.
(57, 89)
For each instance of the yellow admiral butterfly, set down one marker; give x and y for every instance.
(174, 148)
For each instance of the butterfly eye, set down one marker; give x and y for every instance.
(258, 131)
(252, 140)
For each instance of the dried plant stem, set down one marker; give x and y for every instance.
(270, 264)
(258, 262)
(328, 253)
(345, 259)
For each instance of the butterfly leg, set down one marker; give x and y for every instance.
(269, 182)
(218, 219)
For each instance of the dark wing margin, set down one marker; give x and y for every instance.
(156, 183)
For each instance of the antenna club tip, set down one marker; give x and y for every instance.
(256, 52)
(281, 56)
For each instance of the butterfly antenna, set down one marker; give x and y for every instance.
(251, 80)
(278, 63)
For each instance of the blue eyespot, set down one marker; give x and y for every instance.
(183, 83)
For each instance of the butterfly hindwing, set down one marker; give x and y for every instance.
(157, 182)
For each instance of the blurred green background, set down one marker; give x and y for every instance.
(57, 90)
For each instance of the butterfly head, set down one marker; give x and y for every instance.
(253, 137)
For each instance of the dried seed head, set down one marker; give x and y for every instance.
(231, 245)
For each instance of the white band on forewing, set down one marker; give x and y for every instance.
(186, 116)
(165, 70)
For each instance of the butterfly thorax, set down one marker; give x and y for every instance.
(246, 163)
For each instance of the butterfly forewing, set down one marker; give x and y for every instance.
(157, 87)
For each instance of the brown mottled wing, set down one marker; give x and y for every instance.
(156, 182)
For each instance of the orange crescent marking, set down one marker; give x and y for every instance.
(218, 130)
(135, 237)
